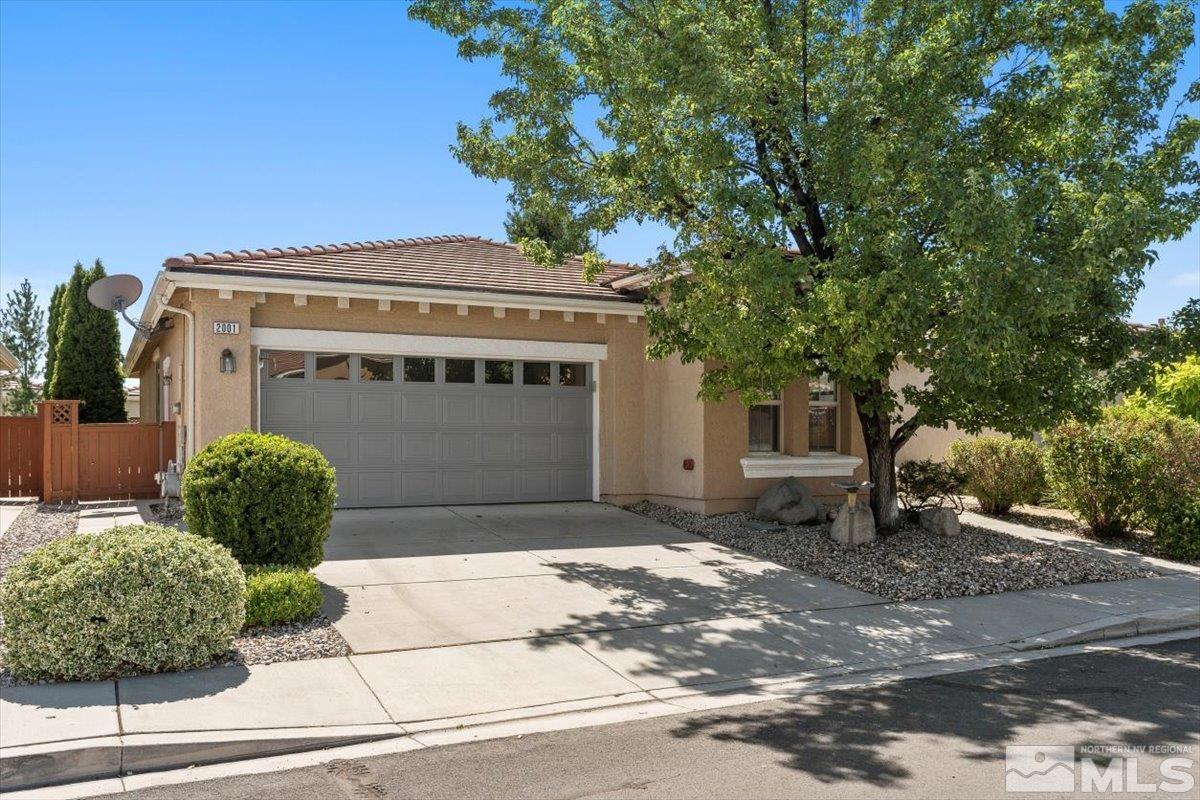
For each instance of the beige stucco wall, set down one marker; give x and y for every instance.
(926, 442)
(649, 419)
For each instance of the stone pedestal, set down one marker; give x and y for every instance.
(939, 521)
(853, 526)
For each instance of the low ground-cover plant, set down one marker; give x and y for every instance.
(267, 498)
(138, 598)
(275, 595)
(1133, 467)
(1000, 472)
(929, 484)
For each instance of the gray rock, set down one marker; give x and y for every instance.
(788, 502)
(853, 525)
(940, 521)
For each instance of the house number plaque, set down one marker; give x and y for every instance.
(227, 327)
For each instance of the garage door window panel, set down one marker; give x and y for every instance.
(332, 367)
(284, 364)
(376, 369)
(572, 374)
(535, 373)
(460, 370)
(418, 370)
(498, 372)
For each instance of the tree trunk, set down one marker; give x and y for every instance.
(881, 459)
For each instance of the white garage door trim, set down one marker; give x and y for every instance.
(399, 344)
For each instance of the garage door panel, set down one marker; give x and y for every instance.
(376, 448)
(573, 482)
(338, 446)
(376, 408)
(461, 486)
(537, 446)
(497, 448)
(537, 410)
(284, 408)
(429, 443)
(460, 409)
(572, 409)
(573, 447)
(536, 484)
(499, 485)
(417, 447)
(459, 447)
(332, 408)
(499, 409)
(376, 488)
(418, 409)
(419, 488)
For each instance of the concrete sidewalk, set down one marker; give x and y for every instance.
(77, 731)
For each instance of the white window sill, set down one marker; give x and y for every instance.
(832, 465)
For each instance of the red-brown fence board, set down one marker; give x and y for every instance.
(54, 457)
(20, 457)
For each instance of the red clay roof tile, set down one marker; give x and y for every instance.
(448, 262)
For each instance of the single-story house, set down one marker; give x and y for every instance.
(450, 369)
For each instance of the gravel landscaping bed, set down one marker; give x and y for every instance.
(36, 525)
(910, 564)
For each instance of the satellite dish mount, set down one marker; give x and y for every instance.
(117, 293)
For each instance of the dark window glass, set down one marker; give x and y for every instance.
(764, 429)
(418, 370)
(373, 368)
(460, 370)
(284, 364)
(536, 373)
(333, 367)
(572, 374)
(822, 429)
(497, 372)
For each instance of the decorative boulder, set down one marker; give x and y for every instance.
(788, 502)
(939, 521)
(854, 525)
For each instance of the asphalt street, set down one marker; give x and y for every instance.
(939, 737)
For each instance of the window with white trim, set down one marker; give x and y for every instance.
(822, 415)
(765, 419)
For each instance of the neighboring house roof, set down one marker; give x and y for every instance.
(7, 360)
(439, 262)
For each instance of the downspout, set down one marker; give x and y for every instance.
(189, 368)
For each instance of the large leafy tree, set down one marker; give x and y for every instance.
(88, 364)
(968, 185)
(22, 323)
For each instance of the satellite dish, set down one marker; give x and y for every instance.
(117, 293)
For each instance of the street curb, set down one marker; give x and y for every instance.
(58, 763)
(41, 765)
(1115, 627)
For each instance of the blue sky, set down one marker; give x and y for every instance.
(133, 132)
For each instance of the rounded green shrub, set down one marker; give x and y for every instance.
(1128, 469)
(276, 595)
(1175, 390)
(928, 484)
(1000, 472)
(1177, 530)
(138, 598)
(267, 498)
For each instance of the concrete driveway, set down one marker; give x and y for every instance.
(511, 603)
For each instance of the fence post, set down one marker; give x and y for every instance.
(60, 447)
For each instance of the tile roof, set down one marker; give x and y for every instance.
(445, 262)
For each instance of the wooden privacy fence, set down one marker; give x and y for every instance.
(54, 457)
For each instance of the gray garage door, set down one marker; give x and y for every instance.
(414, 430)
